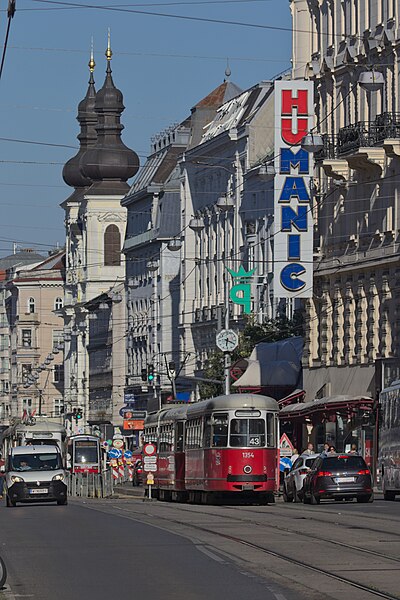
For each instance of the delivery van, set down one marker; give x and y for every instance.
(35, 473)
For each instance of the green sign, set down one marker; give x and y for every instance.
(240, 293)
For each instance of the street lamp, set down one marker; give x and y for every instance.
(225, 204)
(371, 81)
(152, 266)
(312, 143)
(196, 224)
(174, 245)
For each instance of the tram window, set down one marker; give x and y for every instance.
(220, 430)
(247, 433)
(271, 428)
(207, 432)
(179, 437)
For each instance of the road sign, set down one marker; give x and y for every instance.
(114, 453)
(128, 454)
(286, 446)
(150, 467)
(285, 463)
(149, 449)
(150, 459)
(150, 479)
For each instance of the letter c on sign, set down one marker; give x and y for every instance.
(290, 277)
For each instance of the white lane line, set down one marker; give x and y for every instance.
(209, 553)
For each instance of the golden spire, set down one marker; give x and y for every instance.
(109, 51)
(92, 64)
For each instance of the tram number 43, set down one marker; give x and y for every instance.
(248, 454)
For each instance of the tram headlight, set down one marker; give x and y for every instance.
(247, 469)
(58, 477)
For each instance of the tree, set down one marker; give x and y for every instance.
(252, 333)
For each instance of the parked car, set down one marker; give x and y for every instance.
(138, 473)
(338, 476)
(293, 482)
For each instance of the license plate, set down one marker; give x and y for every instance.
(39, 491)
(344, 479)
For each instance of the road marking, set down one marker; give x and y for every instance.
(209, 553)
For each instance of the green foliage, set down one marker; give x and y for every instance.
(252, 333)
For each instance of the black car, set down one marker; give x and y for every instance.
(340, 477)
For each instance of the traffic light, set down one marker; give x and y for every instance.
(77, 414)
(150, 373)
(144, 374)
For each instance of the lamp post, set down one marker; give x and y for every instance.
(225, 204)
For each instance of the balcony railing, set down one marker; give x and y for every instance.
(364, 134)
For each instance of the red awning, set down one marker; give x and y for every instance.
(330, 404)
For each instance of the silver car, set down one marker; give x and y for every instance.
(293, 482)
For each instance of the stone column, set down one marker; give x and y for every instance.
(349, 322)
(385, 324)
(373, 320)
(361, 323)
(338, 325)
(326, 325)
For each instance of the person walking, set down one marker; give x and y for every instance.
(309, 449)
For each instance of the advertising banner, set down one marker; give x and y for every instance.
(293, 229)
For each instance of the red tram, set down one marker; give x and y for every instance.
(223, 446)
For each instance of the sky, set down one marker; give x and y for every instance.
(162, 65)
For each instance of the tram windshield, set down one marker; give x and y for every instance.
(86, 452)
(247, 433)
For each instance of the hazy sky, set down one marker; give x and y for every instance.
(162, 65)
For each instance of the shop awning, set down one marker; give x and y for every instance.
(330, 404)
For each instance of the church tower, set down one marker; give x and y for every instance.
(95, 223)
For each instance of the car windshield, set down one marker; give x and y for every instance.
(36, 462)
(309, 462)
(343, 463)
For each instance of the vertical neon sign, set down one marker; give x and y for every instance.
(293, 239)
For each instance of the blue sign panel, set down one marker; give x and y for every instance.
(114, 453)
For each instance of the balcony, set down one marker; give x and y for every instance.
(363, 134)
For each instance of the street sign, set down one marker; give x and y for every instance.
(150, 479)
(152, 467)
(114, 453)
(286, 446)
(128, 454)
(285, 463)
(150, 459)
(149, 449)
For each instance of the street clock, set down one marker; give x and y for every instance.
(227, 340)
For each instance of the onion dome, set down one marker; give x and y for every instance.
(109, 163)
(87, 137)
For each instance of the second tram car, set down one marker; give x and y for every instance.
(389, 441)
(223, 446)
(84, 454)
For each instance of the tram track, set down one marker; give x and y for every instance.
(280, 555)
(267, 551)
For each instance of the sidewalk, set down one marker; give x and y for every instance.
(127, 489)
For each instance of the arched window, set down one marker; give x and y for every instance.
(58, 303)
(31, 305)
(112, 246)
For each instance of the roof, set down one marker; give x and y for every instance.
(42, 449)
(224, 92)
(232, 401)
(22, 257)
(238, 110)
(330, 403)
(273, 364)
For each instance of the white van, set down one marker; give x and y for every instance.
(35, 473)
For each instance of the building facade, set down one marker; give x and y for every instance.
(353, 320)
(33, 305)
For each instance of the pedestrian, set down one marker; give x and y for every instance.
(353, 449)
(331, 450)
(325, 450)
(309, 449)
(294, 456)
(2, 475)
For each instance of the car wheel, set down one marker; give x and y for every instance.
(314, 499)
(3, 573)
(364, 499)
(389, 496)
(297, 496)
(306, 500)
(10, 503)
(62, 502)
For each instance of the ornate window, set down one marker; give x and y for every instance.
(112, 246)
(58, 303)
(31, 305)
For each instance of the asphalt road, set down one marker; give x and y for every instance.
(73, 552)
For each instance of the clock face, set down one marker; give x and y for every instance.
(227, 340)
